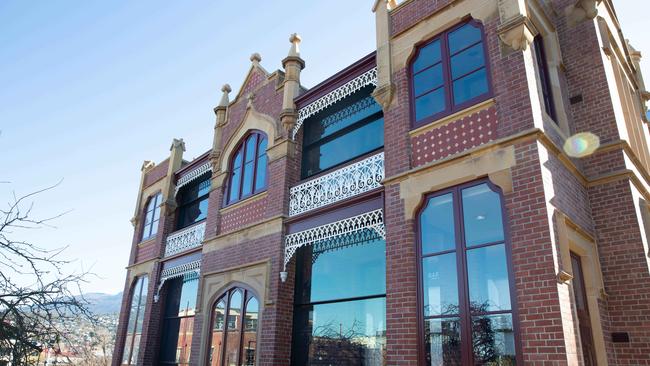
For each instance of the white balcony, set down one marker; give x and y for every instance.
(349, 181)
(185, 239)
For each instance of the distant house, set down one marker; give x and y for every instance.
(473, 192)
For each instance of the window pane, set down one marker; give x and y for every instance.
(482, 215)
(467, 60)
(156, 212)
(493, 340)
(250, 148)
(429, 104)
(427, 56)
(442, 341)
(440, 285)
(233, 335)
(247, 187)
(250, 332)
(187, 303)
(260, 176)
(487, 275)
(343, 333)
(218, 317)
(355, 143)
(437, 231)
(339, 271)
(238, 159)
(463, 37)
(234, 185)
(204, 187)
(154, 228)
(470, 86)
(428, 79)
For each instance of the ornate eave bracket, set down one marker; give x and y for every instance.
(193, 268)
(373, 220)
(367, 78)
(193, 175)
(517, 32)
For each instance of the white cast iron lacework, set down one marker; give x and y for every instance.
(187, 269)
(191, 176)
(349, 88)
(369, 220)
(182, 240)
(340, 184)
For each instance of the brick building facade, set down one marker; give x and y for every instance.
(473, 192)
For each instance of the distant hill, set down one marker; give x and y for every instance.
(104, 303)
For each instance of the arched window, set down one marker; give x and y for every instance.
(449, 73)
(233, 337)
(151, 218)
(135, 321)
(248, 168)
(465, 278)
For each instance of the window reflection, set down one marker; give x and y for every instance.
(493, 340)
(178, 324)
(193, 202)
(442, 341)
(233, 339)
(136, 316)
(483, 271)
(331, 325)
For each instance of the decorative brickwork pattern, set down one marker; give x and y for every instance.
(244, 215)
(468, 132)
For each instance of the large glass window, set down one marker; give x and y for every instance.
(151, 217)
(340, 133)
(340, 302)
(449, 72)
(467, 307)
(233, 339)
(193, 202)
(134, 325)
(248, 168)
(178, 323)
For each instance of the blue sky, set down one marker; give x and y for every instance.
(90, 89)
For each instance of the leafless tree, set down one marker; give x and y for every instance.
(38, 304)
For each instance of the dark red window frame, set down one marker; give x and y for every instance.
(463, 290)
(542, 66)
(241, 147)
(445, 60)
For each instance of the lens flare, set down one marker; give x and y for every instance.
(581, 144)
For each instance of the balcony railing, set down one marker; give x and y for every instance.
(349, 181)
(182, 240)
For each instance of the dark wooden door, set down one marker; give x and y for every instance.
(582, 307)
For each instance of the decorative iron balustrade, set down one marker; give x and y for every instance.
(338, 185)
(367, 78)
(350, 227)
(185, 239)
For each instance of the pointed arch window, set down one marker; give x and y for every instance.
(234, 323)
(248, 168)
(151, 218)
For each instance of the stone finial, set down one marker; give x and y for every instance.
(256, 58)
(295, 40)
(177, 144)
(224, 97)
(390, 4)
(146, 165)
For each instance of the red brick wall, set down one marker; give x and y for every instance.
(157, 173)
(410, 14)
